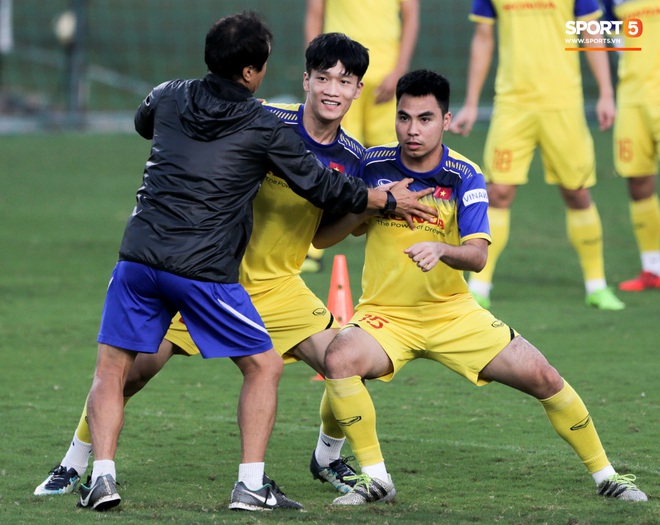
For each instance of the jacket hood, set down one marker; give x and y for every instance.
(215, 107)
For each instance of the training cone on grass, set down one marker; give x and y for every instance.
(340, 300)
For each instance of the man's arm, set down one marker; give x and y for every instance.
(330, 234)
(600, 68)
(335, 192)
(144, 115)
(409, 33)
(470, 256)
(407, 206)
(314, 15)
(481, 56)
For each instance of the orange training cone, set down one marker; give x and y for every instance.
(340, 300)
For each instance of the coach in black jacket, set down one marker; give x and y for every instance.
(212, 145)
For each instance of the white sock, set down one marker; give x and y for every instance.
(252, 475)
(77, 457)
(328, 449)
(603, 474)
(651, 262)
(377, 471)
(593, 285)
(101, 468)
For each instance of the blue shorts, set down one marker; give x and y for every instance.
(141, 301)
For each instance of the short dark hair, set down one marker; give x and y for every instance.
(236, 42)
(329, 48)
(424, 82)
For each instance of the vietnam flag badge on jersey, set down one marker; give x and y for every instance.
(338, 167)
(442, 193)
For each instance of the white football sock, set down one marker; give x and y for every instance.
(101, 468)
(77, 457)
(377, 471)
(252, 475)
(603, 474)
(328, 449)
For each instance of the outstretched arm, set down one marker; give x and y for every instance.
(407, 206)
(481, 56)
(330, 234)
(470, 256)
(407, 202)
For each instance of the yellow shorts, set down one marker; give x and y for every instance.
(179, 335)
(290, 311)
(637, 140)
(462, 336)
(563, 136)
(371, 124)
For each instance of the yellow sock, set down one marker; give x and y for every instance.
(82, 431)
(586, 235)
(572, 422)
(500, 221)
(645, 217)
(329, 425)
(356, 415)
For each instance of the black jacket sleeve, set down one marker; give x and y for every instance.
(323, 187)
(144, 116)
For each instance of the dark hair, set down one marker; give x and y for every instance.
(329, 48)
(236, 42)
(424, 82)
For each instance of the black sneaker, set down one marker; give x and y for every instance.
(59, 481)
(335, 474)
(268, 497)
(101, 496)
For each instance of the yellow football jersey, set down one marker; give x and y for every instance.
(285, 223)
(534, 67)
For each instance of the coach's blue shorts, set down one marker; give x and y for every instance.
(141, 301)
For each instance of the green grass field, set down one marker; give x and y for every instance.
(458, 454)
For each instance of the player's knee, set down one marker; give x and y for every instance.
(268, 364)
(134, 385)
(339, 361)
(547, 382)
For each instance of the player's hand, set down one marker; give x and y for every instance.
(606, 112)
(387, 88)
(408, 205)
(425, 254)
(462, 123)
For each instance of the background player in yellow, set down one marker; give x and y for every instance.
(298, 322)
(637, 133)
(539, 102)
(388, 29)
(416, 304)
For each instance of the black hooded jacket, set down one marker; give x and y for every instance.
(212, 145)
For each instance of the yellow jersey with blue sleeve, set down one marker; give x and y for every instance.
(389, 276)
(285, 223)
(376, 24)
(639, 71)
(533, 66)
